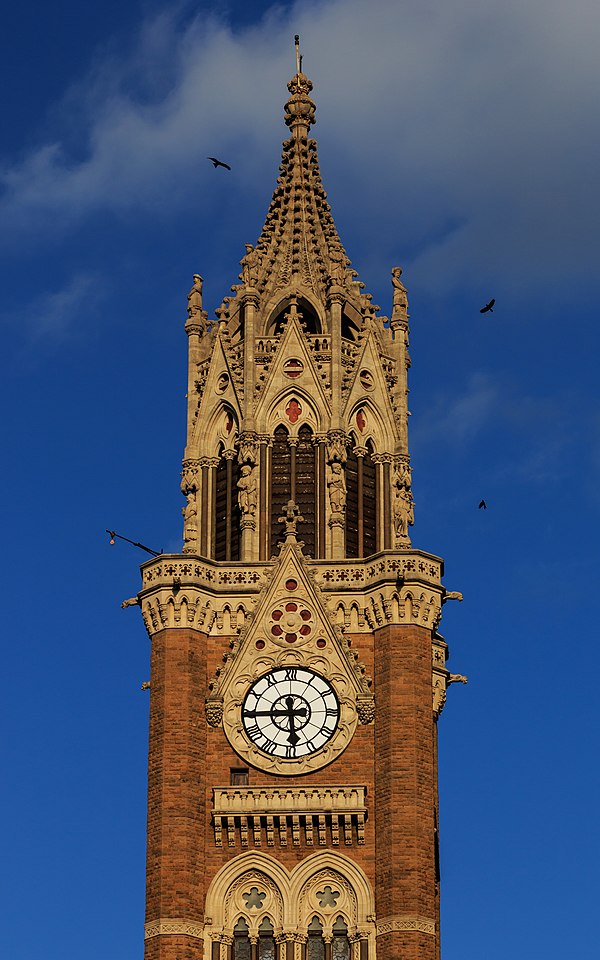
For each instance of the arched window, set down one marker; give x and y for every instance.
(305, 488)
(266, 941)
(352, 503)
(281, 482)
(369, 503)
(340, 945)
(315, 947)
(361, 502)
(227, 511)
(242, 949)
(294, 477)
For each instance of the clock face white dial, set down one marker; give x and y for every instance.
(290, 712)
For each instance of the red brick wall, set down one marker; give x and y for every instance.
(406, 788)
(176, 782)
(394, 758)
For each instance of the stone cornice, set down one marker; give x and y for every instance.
(402, 587)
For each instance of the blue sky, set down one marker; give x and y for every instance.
(457, 139)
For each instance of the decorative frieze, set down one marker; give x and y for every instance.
(169, 925)
(401, 923)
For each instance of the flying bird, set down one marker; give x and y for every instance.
(482, 504)
(219, 163)
(489, 307)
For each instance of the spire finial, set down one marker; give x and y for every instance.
(300, 110)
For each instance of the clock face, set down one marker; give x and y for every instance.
(290, 713)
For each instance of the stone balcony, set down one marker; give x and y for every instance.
(316, 815)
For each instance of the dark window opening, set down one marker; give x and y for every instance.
(306, 485)
(281, 483)
(227, 511)
(238, 776)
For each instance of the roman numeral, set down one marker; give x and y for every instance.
(291, 673)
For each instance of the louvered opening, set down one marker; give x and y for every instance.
(227, 512)
(281, 482)
(352, 504)
(369, 506)
(306, 487)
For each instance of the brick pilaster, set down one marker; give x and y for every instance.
(405, 795)
(176, 789)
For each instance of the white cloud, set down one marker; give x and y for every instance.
(52, 315)
(465, 127)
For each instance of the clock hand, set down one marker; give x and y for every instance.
(300, 712)
(293, 736)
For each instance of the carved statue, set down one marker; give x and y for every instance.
(336, 484)
(336, 259)
(250, 265)
(190, 513)
(247, 491)
(457, 678)
(400, 305)
(195, 297)
(404, 514)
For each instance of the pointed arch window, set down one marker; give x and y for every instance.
(294, 477)
(340, 945)
(361, 502)
(315, 946)
(242, 948)
(226, 508)
(267, 949)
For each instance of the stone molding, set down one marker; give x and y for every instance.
(175, 927)
(318, 815)
(400, 923)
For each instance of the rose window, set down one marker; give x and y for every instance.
(291, 621)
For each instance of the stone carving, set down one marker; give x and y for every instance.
(195, 297)
(404, 515)
(457, 678)
(247, 491)
(132, 602)
(400, 304)
(336, 484)
(189, 477)
(214, 713)
(337, 264)
(195, 312)
(365, 707)
(250, 262)
(190, 523)
(452, 595)
(291, 518)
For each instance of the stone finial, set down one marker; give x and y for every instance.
(291, 518)
(300, 109)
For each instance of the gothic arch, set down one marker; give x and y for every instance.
(289, 900)
(283, 300)
(310, 414)
(377, 430)
(214, 430)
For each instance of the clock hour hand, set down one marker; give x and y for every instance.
(293, 736)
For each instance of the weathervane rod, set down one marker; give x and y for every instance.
(297, 45)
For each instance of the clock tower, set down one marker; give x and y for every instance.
(297, 674)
